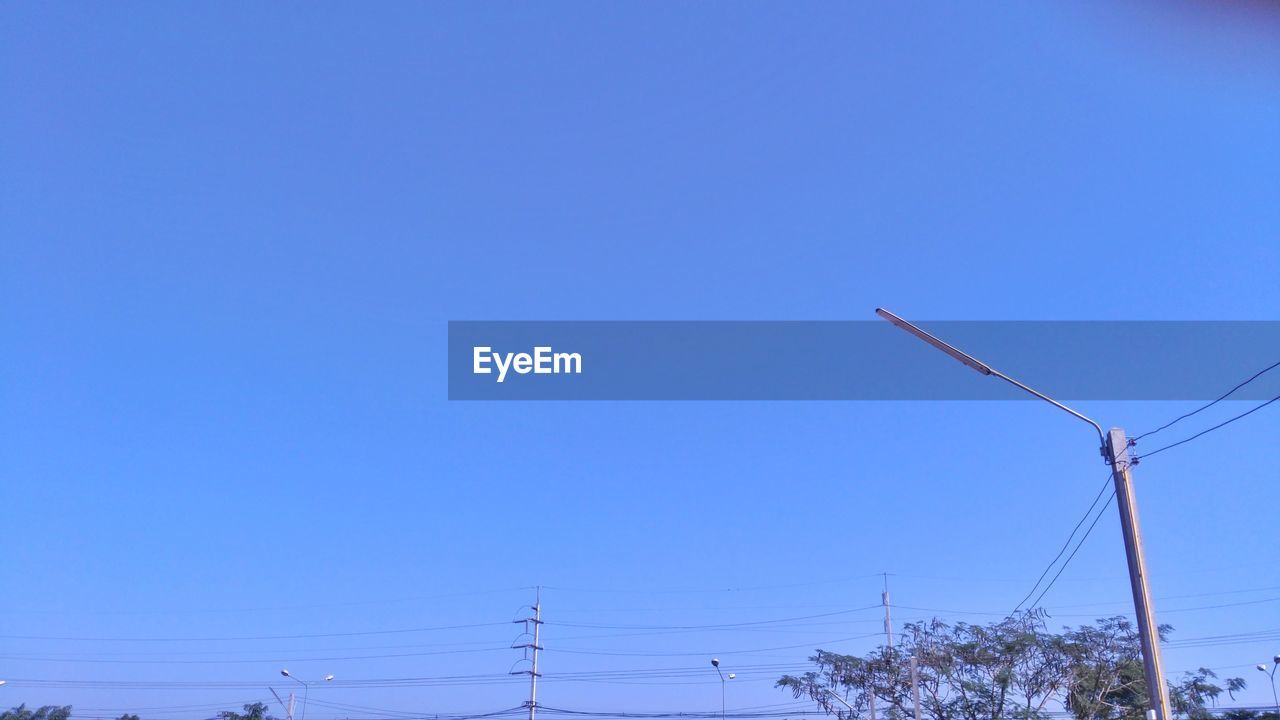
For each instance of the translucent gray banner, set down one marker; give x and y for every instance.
(857, 360)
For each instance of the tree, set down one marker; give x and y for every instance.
(128, 716)
(1242, 714)
(1014, 669)
(254, 711)
(46, 712)
(1108, 680)
(1004, 671)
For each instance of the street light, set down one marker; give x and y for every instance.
(978, 365)
(1115, 449)
(1275, 662)
(842, 700)
(306, 689)
(715, 663)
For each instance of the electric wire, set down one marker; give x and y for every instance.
(993, 613)
(1176, 420)
(244, 661)
(274, 608)
(253, 637)
(714, 627)
(1222, 424)
(620, 653)
(680, 591)
(1078, 546)
(1106, 483)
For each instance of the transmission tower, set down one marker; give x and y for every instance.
(530, 650)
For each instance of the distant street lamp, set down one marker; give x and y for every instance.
(1275, 662)
(306, 688)
(715, 663)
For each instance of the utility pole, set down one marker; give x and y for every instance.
(842, 702)
(288, 707)
(1148, 631)
(532, 648)
(888, 625)
(1115, 450)
(533, 676)
(888, 644)
(915, 688)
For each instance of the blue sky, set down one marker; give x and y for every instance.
(234, 235)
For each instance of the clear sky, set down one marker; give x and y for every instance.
(233, 234)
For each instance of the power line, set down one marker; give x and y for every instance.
(681, 591)
(70, 638)
(605, 676)
(272, 608)
(714, 627)
(1176, 420)
(287, 656)
(292, 654)
(744, 714)
(1204, 432)
(619, 653)
(1080, 544)
(1083, 538)
(252, 637)
(243, 661)
(1183, 596)
(417, 714)
(994, 613)
(1106, 483)
(203, 706)
(1223, 605)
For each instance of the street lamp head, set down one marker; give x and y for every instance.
(951, 350)
(1262, 667)
(4, 682)
(715, 662)
(1276, 659)
(328, 678)
(732, 676)
(285, 673)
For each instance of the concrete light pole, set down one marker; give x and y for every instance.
(1275, 662)
(1115, 450)
(715, 663)
(915, 687)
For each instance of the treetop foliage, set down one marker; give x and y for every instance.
(1015, 669)
(48, 712)
(254, 711)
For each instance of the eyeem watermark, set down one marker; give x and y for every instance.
(543, 361)
(855, 360)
